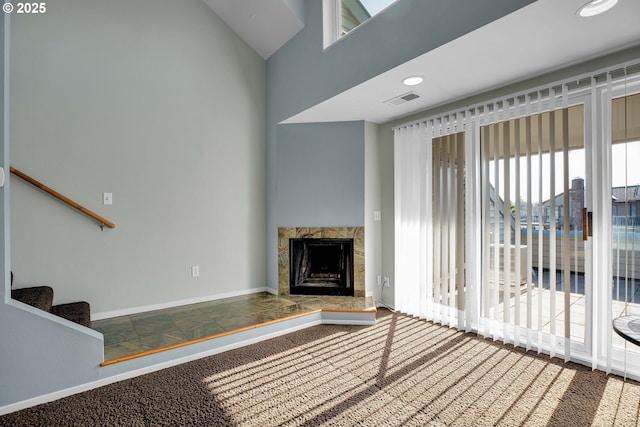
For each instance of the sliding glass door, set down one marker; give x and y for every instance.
(519, 217)
(534, 289)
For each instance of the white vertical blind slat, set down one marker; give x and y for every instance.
(446, 236)
(518, 232)
(453, 231)
(529, 226)
(606, 229)
(460, 221)
(437, 227)
(474, 229)
(507, 226)
(486, 232)
(566, 249)
(540, 222)
(552, 221)
(429, 265)
(495, 291)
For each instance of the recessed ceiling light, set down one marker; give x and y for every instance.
(596, 7)
(412, 81)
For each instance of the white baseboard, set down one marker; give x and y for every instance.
(349, 322)
(143, 309)
(272, 291)
(380, 304)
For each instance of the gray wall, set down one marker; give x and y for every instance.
(320, 175)
(302, 74)
(38, 355)
(372, 203)
(160, 103)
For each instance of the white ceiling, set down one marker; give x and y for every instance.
(539, 38)
(265, 25)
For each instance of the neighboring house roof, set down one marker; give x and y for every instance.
(627, 194)
(353, 14)
(559, 200)
(618, 195)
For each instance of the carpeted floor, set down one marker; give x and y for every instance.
(401, 372)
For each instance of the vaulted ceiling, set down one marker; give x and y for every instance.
(265, 25)
(541, 37)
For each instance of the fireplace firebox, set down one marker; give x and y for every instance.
(321, 266)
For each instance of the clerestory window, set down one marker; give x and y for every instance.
(343, 16)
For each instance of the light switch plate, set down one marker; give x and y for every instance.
(107, 198)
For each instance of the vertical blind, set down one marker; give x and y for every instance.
(411, 221)
(526, 231)
(430, 236)
(490, 207)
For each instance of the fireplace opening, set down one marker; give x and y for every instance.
(321, 267)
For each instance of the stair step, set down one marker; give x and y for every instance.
(38, 296)
(78, 312)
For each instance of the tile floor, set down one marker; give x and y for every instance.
(137, 333)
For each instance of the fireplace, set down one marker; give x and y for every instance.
(321, 266)
(349, 282)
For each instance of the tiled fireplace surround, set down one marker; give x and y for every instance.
(355, 233)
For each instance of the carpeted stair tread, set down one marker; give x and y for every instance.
(78, 312)
(38, 296)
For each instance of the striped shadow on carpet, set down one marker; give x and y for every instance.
(400, 372)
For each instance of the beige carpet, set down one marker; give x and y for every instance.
(401, 372)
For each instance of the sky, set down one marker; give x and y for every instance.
(623, 172)
(375, 6)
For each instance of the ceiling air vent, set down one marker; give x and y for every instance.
(401, 99)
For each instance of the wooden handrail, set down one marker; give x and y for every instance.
(41, 186)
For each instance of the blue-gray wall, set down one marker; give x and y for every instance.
(301, 74)
(320, 175)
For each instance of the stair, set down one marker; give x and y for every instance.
(42, 297)
(78, 312)
(38, 296)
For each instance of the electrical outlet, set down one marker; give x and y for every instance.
(195, 271)
(379, 280)
(377, 216)
(387, 282)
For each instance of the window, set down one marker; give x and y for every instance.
(343, 16)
